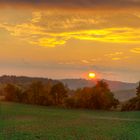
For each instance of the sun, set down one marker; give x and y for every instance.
(91, 75)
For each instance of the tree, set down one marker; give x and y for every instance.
(138, 90)
(97, 97)
(58, 93)
(134, 103)
(12, 92)
(102, 97)
(35, 92)
(82, 97)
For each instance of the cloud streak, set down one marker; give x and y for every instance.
(135, 50)
(39, 36)
(53, 28)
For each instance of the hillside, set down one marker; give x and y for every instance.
(71, 83)
(123, 91)
(114, 85)
(23, 80)
(124, 95)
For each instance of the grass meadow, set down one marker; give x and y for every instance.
(29, 122)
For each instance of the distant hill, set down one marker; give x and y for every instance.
(124, 95)
(122, 90)
(114, 85)
(78, 83)
(71, 83)
(23, 80)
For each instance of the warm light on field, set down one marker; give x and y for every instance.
(91, 75)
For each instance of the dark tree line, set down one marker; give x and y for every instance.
(96, 97)
(134, 103)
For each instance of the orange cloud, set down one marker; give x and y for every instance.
(135, 50)
(116, 58)
(38, 35)
(61, 27)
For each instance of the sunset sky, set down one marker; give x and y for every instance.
(68, 38)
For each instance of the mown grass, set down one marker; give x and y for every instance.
(28, 122)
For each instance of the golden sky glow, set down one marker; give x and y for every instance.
(63, 43)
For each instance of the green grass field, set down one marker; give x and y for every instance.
(27, 122)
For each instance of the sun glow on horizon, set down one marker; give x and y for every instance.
(91, 75)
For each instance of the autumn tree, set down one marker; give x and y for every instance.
(13, 92)
(97, 97)
(138, 90)
(35, 92)
(134, 103)
(102, 97)
(82, 97)
(58, 93)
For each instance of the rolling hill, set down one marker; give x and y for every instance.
(114, 85)
(122, 91)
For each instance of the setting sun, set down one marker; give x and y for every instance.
(91, 75)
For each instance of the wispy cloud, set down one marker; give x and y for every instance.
(54, 28)
(36, 17)
(85, 61)
(116, 58)
(114, 54)
(39, 36)
(135, 50)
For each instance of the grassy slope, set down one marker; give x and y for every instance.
(26, 122)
